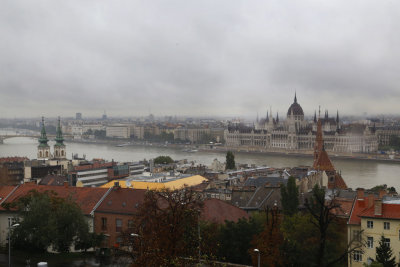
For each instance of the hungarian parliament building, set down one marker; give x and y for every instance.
(298, 134)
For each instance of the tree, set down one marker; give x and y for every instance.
(48, 220)
(163, 160)
(167, 227)
(235, 239)
(329, 229)
(230, 161)
(290, 197)
(384, 254)
(270, 241)
(297, 230)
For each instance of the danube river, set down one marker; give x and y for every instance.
(357, 173)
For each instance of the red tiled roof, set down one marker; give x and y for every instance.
(218, 211)
(338, 182)
(345, 207)
(13, 159)
(359, 206)
(5, 190)
(122, 200)
(53, 180)
(389, 211)
(85, 197)
(323, 162)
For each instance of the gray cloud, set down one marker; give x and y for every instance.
(198, 57)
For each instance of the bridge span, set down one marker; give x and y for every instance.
(6, 136)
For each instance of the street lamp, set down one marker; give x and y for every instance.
(258, 256)
(9, 242)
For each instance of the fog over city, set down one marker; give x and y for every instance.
(228, 58)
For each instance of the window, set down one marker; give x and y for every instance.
(103, 223)
(357, 235)
(357, 255)
(130, 223)
(387, 242)
(386, 225)
(370, 242)
(118, 225)
(370, 224)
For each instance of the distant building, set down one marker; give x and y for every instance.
(194, 135)
(384, 134)
(78, 116)
(137, 131)
(295, 133)
(118, 131)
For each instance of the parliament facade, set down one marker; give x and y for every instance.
(298, 134)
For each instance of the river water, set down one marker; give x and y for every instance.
(356, 173)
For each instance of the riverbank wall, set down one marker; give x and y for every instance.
(248, 150)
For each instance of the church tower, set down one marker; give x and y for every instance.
(59, 147)
(43, 147)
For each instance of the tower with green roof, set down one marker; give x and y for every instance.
(43, 147)
(59, 146)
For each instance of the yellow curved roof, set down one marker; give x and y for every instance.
(175, 184)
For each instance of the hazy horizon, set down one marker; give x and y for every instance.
(198, 58)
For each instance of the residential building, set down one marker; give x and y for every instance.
(118, 131)
(372, 217)
(12, 170)
(114, 216)
(92, 175)
(87, 199)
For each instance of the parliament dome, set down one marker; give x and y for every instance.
(295, 108)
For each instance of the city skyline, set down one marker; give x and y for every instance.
(190, 58)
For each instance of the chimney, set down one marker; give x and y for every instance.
(370, 199)
(382, 192)
(378, 207)
(116, 184)
(360, 193)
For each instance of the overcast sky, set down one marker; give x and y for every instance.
(230, 58)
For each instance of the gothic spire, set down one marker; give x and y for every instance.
(315, 116)
(337, 117)
(59, 136)
(319, 142)
(295, 97)
(277, 117)
(43, 137)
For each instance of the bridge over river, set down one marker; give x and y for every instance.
(4, 137)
